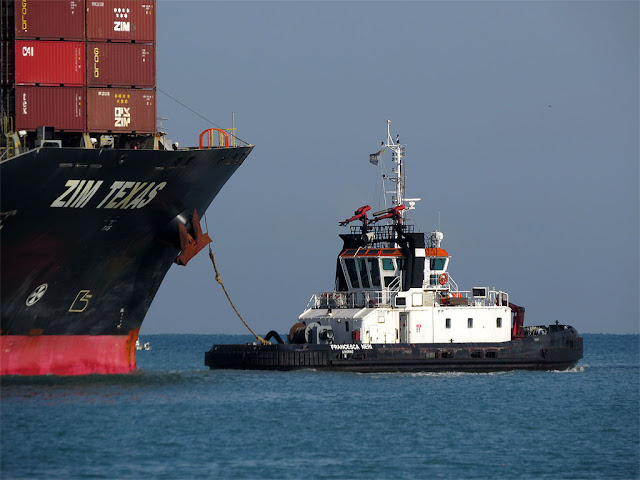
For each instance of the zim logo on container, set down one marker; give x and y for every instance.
(122, 117)
(120, 25)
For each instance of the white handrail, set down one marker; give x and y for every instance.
(374, 298)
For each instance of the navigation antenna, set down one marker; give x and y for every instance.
(397, 156)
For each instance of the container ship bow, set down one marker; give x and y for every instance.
(95, 204)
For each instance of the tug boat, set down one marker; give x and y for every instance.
(396, 307)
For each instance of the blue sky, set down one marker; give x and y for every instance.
(521, 121)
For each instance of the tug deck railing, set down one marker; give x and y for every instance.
(376, 298)
(370, 298)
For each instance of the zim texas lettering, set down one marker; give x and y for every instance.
(121, 194)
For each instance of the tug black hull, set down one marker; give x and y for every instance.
(560, 349)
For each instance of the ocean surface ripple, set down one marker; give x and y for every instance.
(174, 418)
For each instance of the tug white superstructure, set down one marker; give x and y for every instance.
(377, 305)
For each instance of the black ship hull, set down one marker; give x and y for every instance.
(87, 237)
(560, 349)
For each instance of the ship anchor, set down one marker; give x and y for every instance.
(190, 245)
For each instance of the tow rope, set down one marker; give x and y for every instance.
(219, 280)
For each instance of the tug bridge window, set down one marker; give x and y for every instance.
(375, 271)
(387, 264)
(437, 263)
(364, 276)
(351, 270)
(388, 281)
(366, 269)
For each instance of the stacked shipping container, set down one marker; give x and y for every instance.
(62, 108)
(121, 64)
(121, 21)
(50, 63)
(104, 83)
(50, 19)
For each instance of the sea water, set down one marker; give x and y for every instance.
(174, 418)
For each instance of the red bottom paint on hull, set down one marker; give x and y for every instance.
(67, 354)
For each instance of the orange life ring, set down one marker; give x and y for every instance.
(443, 278)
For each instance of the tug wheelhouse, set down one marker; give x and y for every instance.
(365, 269)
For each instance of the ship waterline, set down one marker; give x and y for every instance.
(68, 354)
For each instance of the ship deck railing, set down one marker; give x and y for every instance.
(361, 299)
(538, 330)
(432, 283)
(377, 298)
(488, 298)
(382, 234)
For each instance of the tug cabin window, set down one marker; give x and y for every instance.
(436, 266)
(365, 281)
(374, 269)
(352, 273)
(371, 268)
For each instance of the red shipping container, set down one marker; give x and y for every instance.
(52, 63)
(121, 20)
(60, 107)
(50, 19)
(121, 110)
(121, 65)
